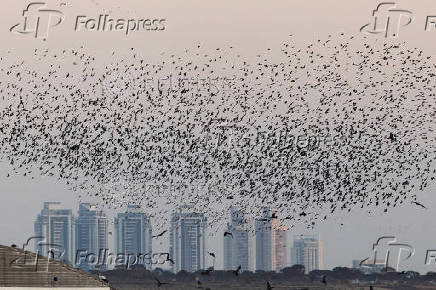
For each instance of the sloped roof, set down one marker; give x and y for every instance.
(19, 268)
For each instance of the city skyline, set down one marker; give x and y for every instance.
(89, 233)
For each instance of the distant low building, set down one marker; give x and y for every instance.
(369, 267)
(21, 269)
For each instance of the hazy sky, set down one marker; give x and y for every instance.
(250, 26)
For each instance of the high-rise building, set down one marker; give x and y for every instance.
(252, 252)
(91, 233)
(54, 232)
(228, 250)
(133, 232)
(278, 245)
(236, 242)
(307, 251)
(188, 240)
(270, 238)
(263, 241)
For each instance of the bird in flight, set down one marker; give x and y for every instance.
(159, 235)
(228, 234)
(419, 204)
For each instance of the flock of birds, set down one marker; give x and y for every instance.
(337, 124)
(200, 284)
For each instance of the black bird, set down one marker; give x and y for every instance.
(207, 271)
(127, 143)
(168, 259)
(236, 272)
(419, 204)
(159, 235)
(75, 147)
(324, 280)
(211, 254)
(159, 283)
(228, 234)
(268, 286)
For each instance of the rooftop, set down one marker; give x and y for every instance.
(19, 268)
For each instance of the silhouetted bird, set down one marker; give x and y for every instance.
(419, 204)
(207, 271)
(236, 272)
(159, 235)
(159, 283)
(324, 280)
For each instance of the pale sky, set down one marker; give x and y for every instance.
(250, 26)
